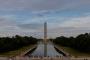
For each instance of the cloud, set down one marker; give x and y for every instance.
(32, 26)
(6, 21)
(10, 27)
(42, 4)
(27, 17)
(71, 27)
(83, 21)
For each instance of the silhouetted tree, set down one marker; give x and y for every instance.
(8, 44)
(81, 42)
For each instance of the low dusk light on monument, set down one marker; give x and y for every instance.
(44, 29)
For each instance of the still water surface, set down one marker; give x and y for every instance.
(40, 50)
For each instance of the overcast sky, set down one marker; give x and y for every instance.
(26, 17)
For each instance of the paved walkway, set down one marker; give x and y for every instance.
(44, 58)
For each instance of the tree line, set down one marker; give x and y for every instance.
(15, 42)
(80, 43)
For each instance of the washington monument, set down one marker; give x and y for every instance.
(45, 39)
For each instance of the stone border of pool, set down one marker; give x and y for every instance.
(61, 51)
(29, 50)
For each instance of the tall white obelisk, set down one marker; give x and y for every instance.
(45, 39)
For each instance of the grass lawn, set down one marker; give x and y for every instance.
(73, 52)
(16, 52)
